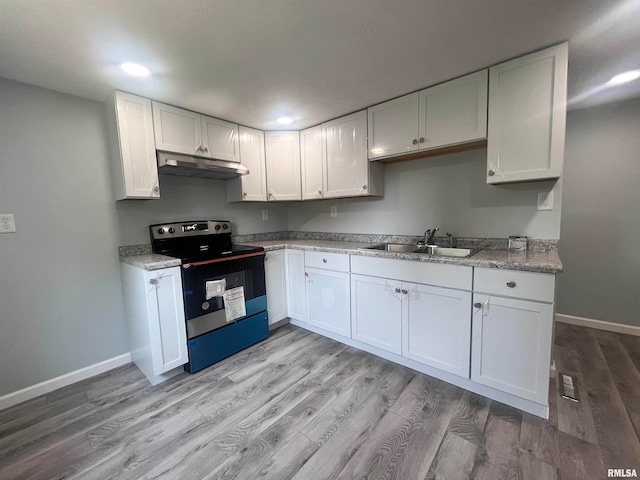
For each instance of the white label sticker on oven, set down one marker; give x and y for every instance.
(234, 306)
(215, 288)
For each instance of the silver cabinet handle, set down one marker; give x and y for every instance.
(206, 149)
(477, 305)
(397, 290)
(405, 291)
(270, 194)
(324, 260)
(414, 141)
(511, 284)
(306, 274)
(491, 173)
(364, 187)
(421, 140)
(244, 194)
(319, 192)
(156, 188)
(153, 281)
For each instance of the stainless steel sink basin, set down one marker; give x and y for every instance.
(450, 252)
(437, 251)
(392, 247)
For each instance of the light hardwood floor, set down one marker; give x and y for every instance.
(302, 406)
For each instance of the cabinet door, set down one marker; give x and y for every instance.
(253, 186)
(393, 127)
(167, 327)
(328, 300)
(454, 112)
(527, 110)
(296, 284)
(283, 165)
(139, 168)
(311, 163)
(436, 327)
(376, 308)
(177, 130)
(511, 349)
(274, 272)
(220, 139)
(346, 167)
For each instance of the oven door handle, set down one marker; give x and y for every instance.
(224, 259)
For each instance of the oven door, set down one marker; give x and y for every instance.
(204, 315)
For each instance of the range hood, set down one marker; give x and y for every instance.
(191, 166)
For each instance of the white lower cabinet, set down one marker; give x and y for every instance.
(275, 276)
(511, 348)
(155, 316)
(436, 327)
(376, 309)
(328, 300)
(296, 284)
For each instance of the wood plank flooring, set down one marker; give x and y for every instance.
(301, 406)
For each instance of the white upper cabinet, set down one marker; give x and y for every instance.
(393, 127)
(189, 133)
(253, 186)
(454, 112)
(134, 164)
(282, 150)
(311, 162)
(527, 111)
(347, 172)
(220, 139)
(448, 114)
(177, 130)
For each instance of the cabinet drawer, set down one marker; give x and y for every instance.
(426, 273)
(529, 285)
(329, 261)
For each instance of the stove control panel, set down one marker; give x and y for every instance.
(189, 229)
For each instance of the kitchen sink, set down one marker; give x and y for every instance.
(392, 247)
(437, 251)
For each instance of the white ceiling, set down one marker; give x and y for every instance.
(250, 61)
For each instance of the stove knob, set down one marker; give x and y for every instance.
(161, 231)
(172, 230)
(217, 227)
(225, 226)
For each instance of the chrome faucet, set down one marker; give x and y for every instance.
(428, 237)
(429, 234)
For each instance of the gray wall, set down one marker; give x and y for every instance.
(60, 293)
(194, 199)
(601, 215)
(61, 304)
(449, 192)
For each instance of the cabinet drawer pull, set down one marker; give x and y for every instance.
(491, 173)
(153, 281)
(477, 305)
(511, 284)
(319, 192)
(421, 140)
(324, 260)
(414, 141)
(156, 188)
(405, 291)
(364, 187)
(397, 290)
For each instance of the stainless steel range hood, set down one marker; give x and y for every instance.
(189, 166)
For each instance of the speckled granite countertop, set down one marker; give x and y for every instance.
(151, 261)
(543, 262)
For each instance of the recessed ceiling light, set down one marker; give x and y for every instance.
(624, 77)
(284, 120)
(135, 69)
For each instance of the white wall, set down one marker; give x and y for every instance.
(449, 192)
(600, 245)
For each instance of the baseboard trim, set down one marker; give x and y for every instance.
(48, 386)
(598, 324)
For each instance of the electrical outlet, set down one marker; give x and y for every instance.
(334, 210)
(7, 223)
(265, 214)
(545, 200)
